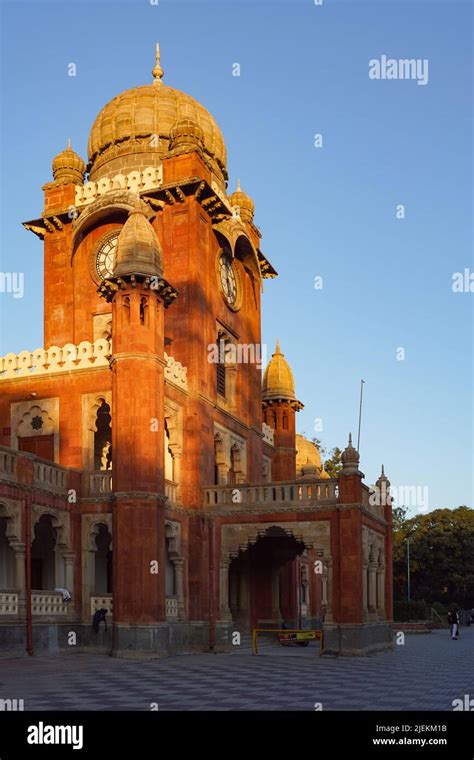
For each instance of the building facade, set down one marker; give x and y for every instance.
(144, 469)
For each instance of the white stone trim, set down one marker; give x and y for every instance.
(136, 181)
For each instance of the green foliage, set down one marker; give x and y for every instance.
(441, 556)
(405, 611)
(332, 463)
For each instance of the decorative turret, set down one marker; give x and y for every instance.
(350, 457)
(138, 258)
(279, 407)
(278, 381)
(382, 481)
(138, 248)
(68, 166)
(244, 203)
(185, 135)
(350, 477)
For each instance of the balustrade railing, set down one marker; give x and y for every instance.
(8, 603)
(292, 492)
(171, 607)
(48, 603)
(102, 602)
(50, 475)
(100, 482)
(8, 461)
(171, 491)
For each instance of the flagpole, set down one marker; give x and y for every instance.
(360, 413)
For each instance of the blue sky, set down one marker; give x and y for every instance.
(326, 212)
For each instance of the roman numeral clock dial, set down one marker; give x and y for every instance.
(228, 281)
(105, 258)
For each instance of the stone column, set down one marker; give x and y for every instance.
(223, 474)
(179, 586)
(372, 587)
(364, 589)
(69, 560)
(224, 590)
(177, 453)
(20, 576)
(381, 592)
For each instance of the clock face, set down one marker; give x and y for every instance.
(105, 259)
(227, 279)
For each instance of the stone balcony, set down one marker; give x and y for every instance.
(283, 495)
(35, 471)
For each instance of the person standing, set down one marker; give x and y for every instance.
(453, 620)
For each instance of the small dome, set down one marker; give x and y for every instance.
(138, 247)
(186, 133)
(350, 456)
(244, 203)
(68, 166)
(278, 379)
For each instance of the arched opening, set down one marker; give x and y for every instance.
(7, 558)
(43, 557)
(103, 561)
(126, 310)
(103, 438)
(169, 463)
(143, 311)
(265, 583)
(170, 577)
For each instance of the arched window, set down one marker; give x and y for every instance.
(126, 309)
(143, 311)
(103, 561)
(285, 421)
(220, 367)
(103, 438)
(43, 559)
(169, 464)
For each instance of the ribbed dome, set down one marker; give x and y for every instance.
(129, 121)
(350, 456)
(186, 133)
(138, 247)
(244, 203)
(68, 166)
(278, 379)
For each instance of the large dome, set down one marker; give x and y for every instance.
(140, 121)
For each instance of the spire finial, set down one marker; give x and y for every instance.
(350, 439)
(68, 142)
(383, 471)
(238, 186)
(157, 70)
(277, 348)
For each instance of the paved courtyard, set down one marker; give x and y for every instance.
(427, 673)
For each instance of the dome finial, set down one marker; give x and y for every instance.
(68, 142)
(238, 186)
(277, 347)
(157, 70)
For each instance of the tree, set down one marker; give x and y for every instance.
(441, 555)
(332, 464)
